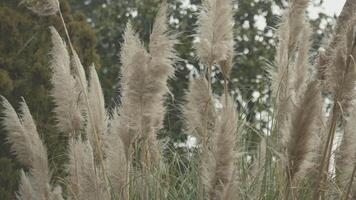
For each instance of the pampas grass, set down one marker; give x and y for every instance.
(340, 81)
(115, 153)
(345, 158)
(30, 151)
(223, 151)
(84, 180)
(67, 96)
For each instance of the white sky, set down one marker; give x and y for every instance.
(330, 7)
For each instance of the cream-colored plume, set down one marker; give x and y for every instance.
(302, 131)
(116, 160)
(199, 111)
(30, 151)
(346, 154)
(85, 180)
(26, 191)
(66, 93)
(340, 73)
(215, 32)
(223, 145)
(144, 84)
(99, 114)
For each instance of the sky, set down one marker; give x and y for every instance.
(330, 7)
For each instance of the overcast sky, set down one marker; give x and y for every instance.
(331, 7)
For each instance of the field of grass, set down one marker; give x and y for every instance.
(307, 150)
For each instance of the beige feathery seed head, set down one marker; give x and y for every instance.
(161, 46)
(129, 48)
(302, 132)
(290, 76)
(289, 33)
(231, 192)
(19, 140)
(85, 182)
(97, 105)
(199, 111)
(78, 71)
(340, 72)
(134, 61)
(215, 32)
(65, 92)
(343, 20)
(56, 193)
(28, 147)
(26, 191)
(75, 167)
(39, 164)
(42, 7)
(144, 84)
(223, 150)
(301, 67)
(296, 22)
(346, 154)
(116, 158)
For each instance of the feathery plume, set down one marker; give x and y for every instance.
(289, 33)
(116, 159)
(199, 111)
(97, 105)
(26, 191)
(29, 149)
(340, 79)
(289, 78)
(346, 154)
(42, 7)
(302, 132)
(223, 150)
(161, 47)
(66, 93)
(340, 73)
(134, 94)
(144, 84)
(162, 58)
(79, 72)
(20, 141)
(215, 32)
(39, 164)
(199, 114)
(84, 180)
(346, 17)
(231, 192)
